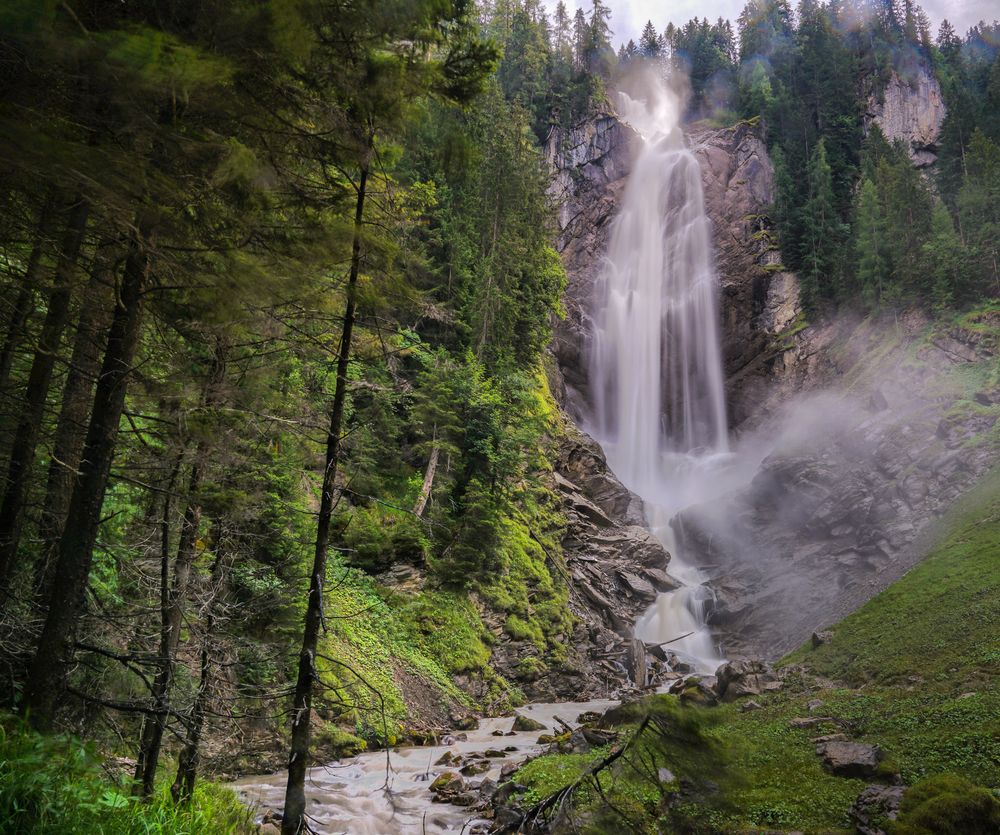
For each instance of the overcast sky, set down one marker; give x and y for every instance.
(629, 16)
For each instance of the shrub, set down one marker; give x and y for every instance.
(947, 804)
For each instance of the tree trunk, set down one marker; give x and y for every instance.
(187, 763)
(46, 675)
(25, 296)
(425, 489)
(172, 603)
(293, 818)
(165, 550)
(77, 396)
(22, 453)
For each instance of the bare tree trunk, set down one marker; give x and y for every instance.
(425, 489)
(172, 603)
(26, 294)
(22, 453)
(293, 818)
(187, 763)
(165, 550)
(44, 684)
(77, 396)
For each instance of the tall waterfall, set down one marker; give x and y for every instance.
(655, 363)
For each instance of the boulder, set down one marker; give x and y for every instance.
(700, 691)
(526, 724)
(748, 677)
(466, 723)
(474, 768)
(447, 784)
(874, 806)
(820, 638)
(850, 759)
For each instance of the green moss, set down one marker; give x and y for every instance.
(947, 805)
(449, 630)
(334, 742)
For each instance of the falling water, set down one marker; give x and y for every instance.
(655, 365)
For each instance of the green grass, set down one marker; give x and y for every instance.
(54, 786)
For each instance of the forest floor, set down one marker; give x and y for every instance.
(915, 671)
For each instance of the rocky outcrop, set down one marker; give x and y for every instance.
(876, 807)
(910, 109)
(845, 498)
(616, 567)
(745, 677)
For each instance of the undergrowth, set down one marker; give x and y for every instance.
(54, 785)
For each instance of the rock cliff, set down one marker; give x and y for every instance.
(901, 423)
(866, 430)
(759, 300)
(910, 109)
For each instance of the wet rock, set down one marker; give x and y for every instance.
(850, 759)
(508, 770)
(507, 818)
(466, 723)
(589, 717)
(464, 799)
(749, 677)
(820, 638)
(474, 768)
(524, 723)
(447, 784)
(447, 758)
(493, 753)
(637, 586)
(874, 806)
(486, 789)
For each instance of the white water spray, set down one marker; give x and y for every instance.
(655, 365)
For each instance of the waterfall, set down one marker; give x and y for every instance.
(655, 362)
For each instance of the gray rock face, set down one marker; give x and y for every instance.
(910, 109)
(759, 299)
(846, 502)
(614, 569)
(850, 759)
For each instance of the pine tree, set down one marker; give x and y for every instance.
(649, 41)
(823, 232)
(870, 245)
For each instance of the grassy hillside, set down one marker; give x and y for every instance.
(916, 670)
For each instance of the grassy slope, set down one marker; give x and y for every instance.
(916, 670)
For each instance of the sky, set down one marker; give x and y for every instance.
(629, 16)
